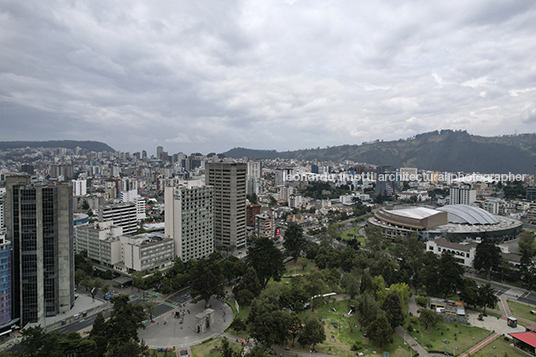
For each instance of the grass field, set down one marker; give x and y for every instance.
(460, 336)
(522, 310)
(349, 234)
(343, 338)
(211, 348)
(502, 349)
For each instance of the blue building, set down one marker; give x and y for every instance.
(5, 280)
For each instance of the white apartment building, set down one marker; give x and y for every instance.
(101, 242)
(462, 195)
(286, 192)
(122, 214)
(106, 244)
(254, 169)
(147, 252)
(189, 219)
(79, 187)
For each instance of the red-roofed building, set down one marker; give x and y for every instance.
(525, 341)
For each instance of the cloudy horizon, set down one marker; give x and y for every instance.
(212, 75)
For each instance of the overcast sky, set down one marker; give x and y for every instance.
(271, 74)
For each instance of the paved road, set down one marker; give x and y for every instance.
(83, 323)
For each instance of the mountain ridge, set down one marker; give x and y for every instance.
(445, 150)
(68, 144)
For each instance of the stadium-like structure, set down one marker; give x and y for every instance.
(453, 222)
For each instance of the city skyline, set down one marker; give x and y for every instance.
(283, 75)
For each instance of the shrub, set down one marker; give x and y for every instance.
(421, 301)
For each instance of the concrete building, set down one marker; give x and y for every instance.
(254, 169)
(462, 195)
(122, 214)
(189, 219)
(263, 226)
(5, 279)
(453, 222)
(229, 182)
(79, 187)
(285, 192)
(39, 222)
(408, 174)
(386, 181)
(101, 242)
(463, 252)
(251, 211)
(147, 252)
(491, 205)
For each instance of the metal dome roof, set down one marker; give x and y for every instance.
(465, 214)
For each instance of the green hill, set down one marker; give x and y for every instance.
(445, 150)
(68, 144)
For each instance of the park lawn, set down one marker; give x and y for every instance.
(295, 268)
(434, 336)
(350, 234)
(211, 347)
(243, 314)
(502, 349)
(522, 310)
(344, 338)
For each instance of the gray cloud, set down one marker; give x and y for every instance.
(211, 75)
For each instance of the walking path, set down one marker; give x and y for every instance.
(411, 341)
(480, 345)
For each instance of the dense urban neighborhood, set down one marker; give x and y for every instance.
(124, 254)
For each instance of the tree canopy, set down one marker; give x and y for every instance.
(266, 259)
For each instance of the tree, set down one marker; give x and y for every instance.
(272, 328)
(295, 326)
(393, 309)
(294, 241)
(527, 271)
(250, 282)
(367, 308)
(124, 322)
(409, 254)
(487, 297)
(254, 313)
(350, 284)
(312, 333)
(428, 318)
(293, 297)
(380, 331)
(313, 288)
(527, 246)
(375, 238)
(487, 256)
(443, 276)
(79, 276)
(366, 283)
(266, 259)
(469, 292)
(206, 280)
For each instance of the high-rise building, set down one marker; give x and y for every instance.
(229, 182)
(462, 195)
(263, 226)
(254, 169)
(5, 279)
(386, 181)
(122, 214)
(189, 219)
(251, 211)
(159, 151)
(79, 187)
(5, 270)
(39, 223)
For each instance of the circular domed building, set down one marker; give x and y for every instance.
(453, 222)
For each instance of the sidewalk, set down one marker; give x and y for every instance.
(411, 341)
